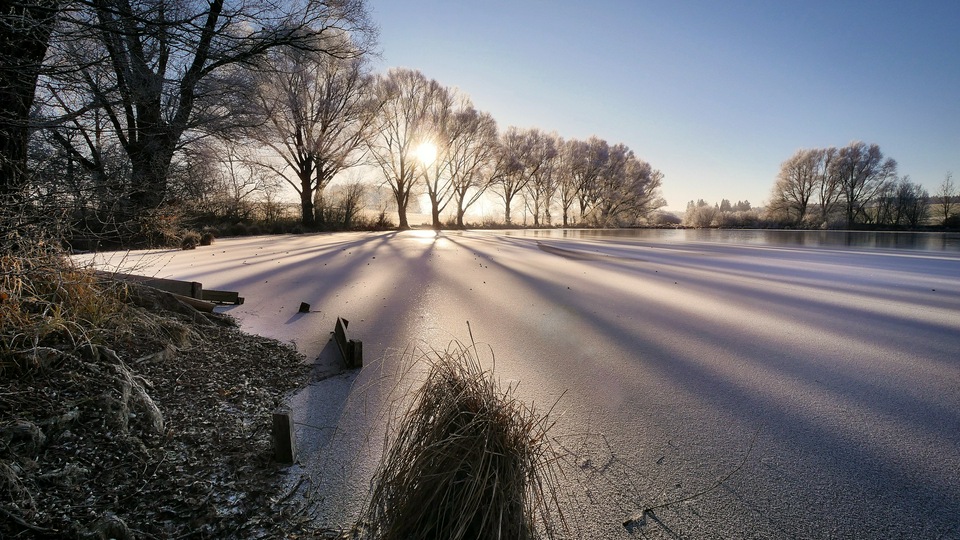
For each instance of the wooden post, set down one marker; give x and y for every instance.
(284, 437)
(350, 349)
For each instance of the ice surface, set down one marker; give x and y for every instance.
(669, 357)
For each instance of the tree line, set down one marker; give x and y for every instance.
(123, 113)
(850, 187)
(854, 186)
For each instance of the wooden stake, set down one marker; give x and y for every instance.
(284, 437)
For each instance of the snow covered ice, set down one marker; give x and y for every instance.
(841, 365)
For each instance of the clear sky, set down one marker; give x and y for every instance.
(715, 94)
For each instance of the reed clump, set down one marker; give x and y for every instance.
(47, 300)
(466, 460)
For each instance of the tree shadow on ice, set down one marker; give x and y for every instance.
(867, 481)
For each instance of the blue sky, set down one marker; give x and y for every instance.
(714, 94)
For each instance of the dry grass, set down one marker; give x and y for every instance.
(467, 459)
(46, 299)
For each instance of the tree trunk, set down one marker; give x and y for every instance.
(306, 207)
(402, 199)
(435, 213)
(25, 28)
(306, 193)
(150, 161)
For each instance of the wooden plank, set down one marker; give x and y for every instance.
(222, 297)
(351, 350)
(191, 289)
(196, 303)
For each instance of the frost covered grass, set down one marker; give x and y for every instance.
(46, 299)
(467, 459)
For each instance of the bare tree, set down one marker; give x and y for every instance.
(628, 189)
(946, 193)
(239, 180)
(525, 152)
(160, 69)
(588, 163)
(796, 184)
(542, 166)
(439, 136)
(913, 202)
(827, 182)
(316, 111)
(861, 172)
(472, 158)
(25, 29)
(403, 97)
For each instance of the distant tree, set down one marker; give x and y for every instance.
(404, 97)
(946, 194)
(315, 112)
(441, 133)
(912, 203)
(796, 184)
(861, 172)
(700, 214)
(518, 162)
(472, 158)
(829, 192)
(629, 192)
(586, 162)
(541, 167)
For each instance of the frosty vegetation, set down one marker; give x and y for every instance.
(832, 188)
(136, 121)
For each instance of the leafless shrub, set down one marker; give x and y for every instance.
(467, 459)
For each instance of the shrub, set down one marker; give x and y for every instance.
(190, 240)
(207, 238)
(467, 460)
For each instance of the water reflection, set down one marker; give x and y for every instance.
(923, 241)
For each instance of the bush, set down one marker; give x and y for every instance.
(207, 238)
(190, 240)
(467, 460)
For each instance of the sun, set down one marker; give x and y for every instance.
(426, 153)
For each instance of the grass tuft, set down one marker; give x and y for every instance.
(467, 459)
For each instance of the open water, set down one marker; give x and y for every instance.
(922, 241)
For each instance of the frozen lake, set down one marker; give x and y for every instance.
(829, 373)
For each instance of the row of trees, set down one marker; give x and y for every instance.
(591, 181)
(853, 185)
(118, 108)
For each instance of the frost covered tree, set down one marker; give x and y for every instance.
(520, 158)
(628, 189)
(586, 161)
(315, 112)
(861, 172)
(542, 166)
(404, 97)
(472, 158)
(439, 136)
(159, 70)
(796, 185)
(945, 194)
